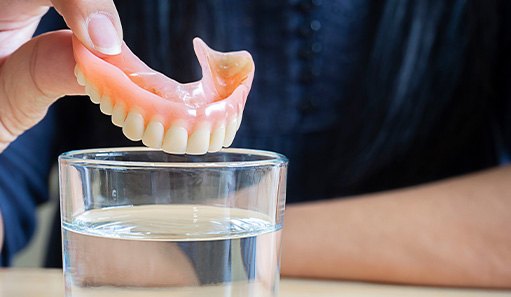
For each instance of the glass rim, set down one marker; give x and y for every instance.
(75, 157)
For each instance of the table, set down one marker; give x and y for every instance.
(49, 283)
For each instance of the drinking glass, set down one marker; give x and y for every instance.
(140, 222)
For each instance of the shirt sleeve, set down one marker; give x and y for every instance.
(24, 171)
(506, 108)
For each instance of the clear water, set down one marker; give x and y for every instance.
(164, 250)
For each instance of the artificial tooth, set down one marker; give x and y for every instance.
(175, 140)
(93, 94)
(217, 139)
(119, 114)
(153, 135)
(133, 126)
(106, 105)
(240, 118)
(230, 131)
(80, 78)
(198, 143)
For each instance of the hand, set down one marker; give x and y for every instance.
(36, 72)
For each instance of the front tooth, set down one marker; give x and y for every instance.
(119, 114)
(217, 139)
(106, 106)
(230, 131)
(80, 78)
(199, 140)
(175, 140)
(153, 135)
(93, 94)
(240, 117)
(133, 126)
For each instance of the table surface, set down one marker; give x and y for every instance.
(49, 282)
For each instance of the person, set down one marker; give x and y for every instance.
(394, 115)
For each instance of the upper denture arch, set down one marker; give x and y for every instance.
(161, 111)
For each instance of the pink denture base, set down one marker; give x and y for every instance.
(106, 75)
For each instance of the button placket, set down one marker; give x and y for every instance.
(310, 47)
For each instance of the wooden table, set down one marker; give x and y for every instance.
(49, 283)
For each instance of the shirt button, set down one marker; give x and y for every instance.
(308, 29)
(315, 25)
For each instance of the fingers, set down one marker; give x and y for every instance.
(18, 22)
(95, 23)
(32, 78)
(10, 40)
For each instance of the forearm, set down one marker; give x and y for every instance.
(454, 232)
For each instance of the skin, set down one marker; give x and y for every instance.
(453, 232)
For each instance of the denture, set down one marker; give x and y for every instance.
(192, 118)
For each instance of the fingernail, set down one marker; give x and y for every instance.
(103, 34)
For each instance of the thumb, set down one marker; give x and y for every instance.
(31, 79)
(95, 23)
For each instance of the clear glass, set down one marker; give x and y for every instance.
(140, 222)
